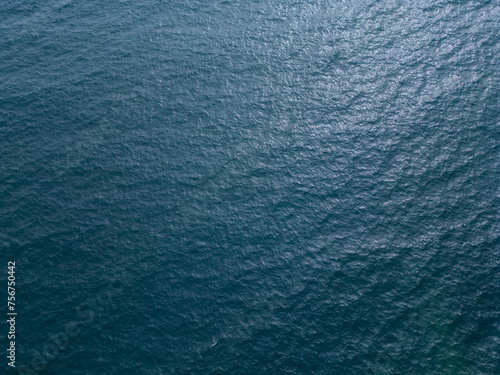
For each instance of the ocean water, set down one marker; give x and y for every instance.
(251, 187)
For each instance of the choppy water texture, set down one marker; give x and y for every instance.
(299, 188)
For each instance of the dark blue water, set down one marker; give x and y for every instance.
(251, 187)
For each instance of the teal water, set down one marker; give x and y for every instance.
(251, 187)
